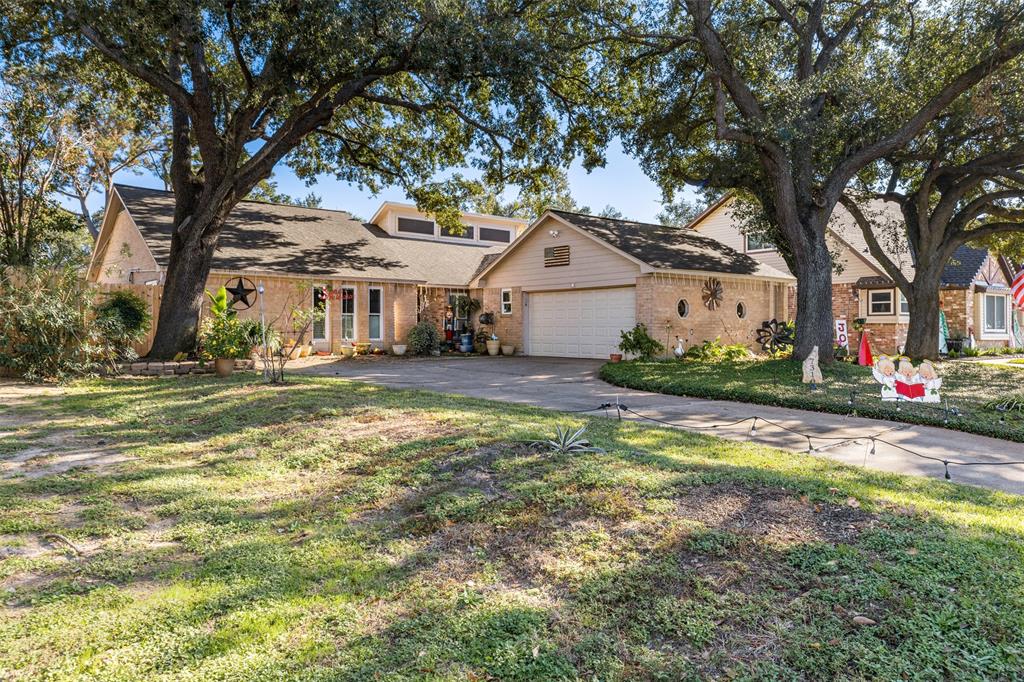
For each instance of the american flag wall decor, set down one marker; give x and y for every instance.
(555, 256)
(1017, 289)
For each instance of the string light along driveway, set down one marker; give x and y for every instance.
(569, 384)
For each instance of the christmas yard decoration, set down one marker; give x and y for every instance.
(900, 380)
(864, 358)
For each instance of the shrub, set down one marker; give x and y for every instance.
(423, 338)
(715, 351)
(48, 330)
(124, 317)
(639, 343)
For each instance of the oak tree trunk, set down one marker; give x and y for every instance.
(814, 322)
(184, 288)
(923, 331)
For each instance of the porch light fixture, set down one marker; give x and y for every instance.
(553, 233)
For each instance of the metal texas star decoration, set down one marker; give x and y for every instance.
(241, 289)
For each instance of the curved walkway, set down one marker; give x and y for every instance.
(564, 384)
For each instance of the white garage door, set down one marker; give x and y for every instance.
(580, 324)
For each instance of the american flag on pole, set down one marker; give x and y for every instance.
(1017, 289)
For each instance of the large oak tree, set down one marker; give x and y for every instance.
(960, 181)
(379, 92)
(787, 101)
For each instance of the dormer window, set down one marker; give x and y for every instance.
(414, 226)
(493, 234)
(417, 227)
(467, 232)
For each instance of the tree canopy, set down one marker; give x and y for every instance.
(789, 101)
(376, 92)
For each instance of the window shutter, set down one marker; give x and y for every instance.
(555, 256)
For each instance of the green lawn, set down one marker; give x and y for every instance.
(333, 530)
(966, 386)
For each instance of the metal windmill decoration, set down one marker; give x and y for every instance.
(712, 293)
(774, 335)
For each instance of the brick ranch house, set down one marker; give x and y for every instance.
(564, 286)
(975, 295)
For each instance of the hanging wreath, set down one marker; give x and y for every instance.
(713, 292)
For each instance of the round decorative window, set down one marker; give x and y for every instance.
(683, 308)
(741, 310)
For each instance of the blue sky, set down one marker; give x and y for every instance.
(620, 183)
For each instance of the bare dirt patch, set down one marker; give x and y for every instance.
(58, 449)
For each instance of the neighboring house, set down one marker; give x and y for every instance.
(572, 282)
(974, 295)
(565, 286)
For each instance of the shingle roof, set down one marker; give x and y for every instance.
(963, 267)
(308, 241)
(670, 248)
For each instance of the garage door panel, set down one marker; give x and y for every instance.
(585, 323)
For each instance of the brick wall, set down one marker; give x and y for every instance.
(958, 305)
(283, 295)
(657, 298)
(509, 328)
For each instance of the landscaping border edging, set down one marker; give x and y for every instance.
(171, 368)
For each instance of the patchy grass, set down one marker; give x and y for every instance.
(333, 530)
(969, 387)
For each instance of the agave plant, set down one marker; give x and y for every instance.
(567, 441)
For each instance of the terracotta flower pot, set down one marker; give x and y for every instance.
(224, 366)
(493, 347)
(615, 357)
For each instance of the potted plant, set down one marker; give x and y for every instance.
(362, 348)
(398, 349)
(480, 341)
(466, 341)
(465, 306)
(615, 357)
(224, 337)
(348, 351)
(493, 345)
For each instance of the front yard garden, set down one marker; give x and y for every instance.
(333, 530)
(971, 390)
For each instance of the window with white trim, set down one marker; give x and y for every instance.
(756, 243)
(466, 232)
(995, 314)
(904, 304)
(376, 306)
(880, 302)
(416, 226)
(320, 306)
(495, 234)
(506, 301)
(348, 313)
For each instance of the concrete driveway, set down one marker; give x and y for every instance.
(566, 384)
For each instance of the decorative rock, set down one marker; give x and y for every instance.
(863, 620)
